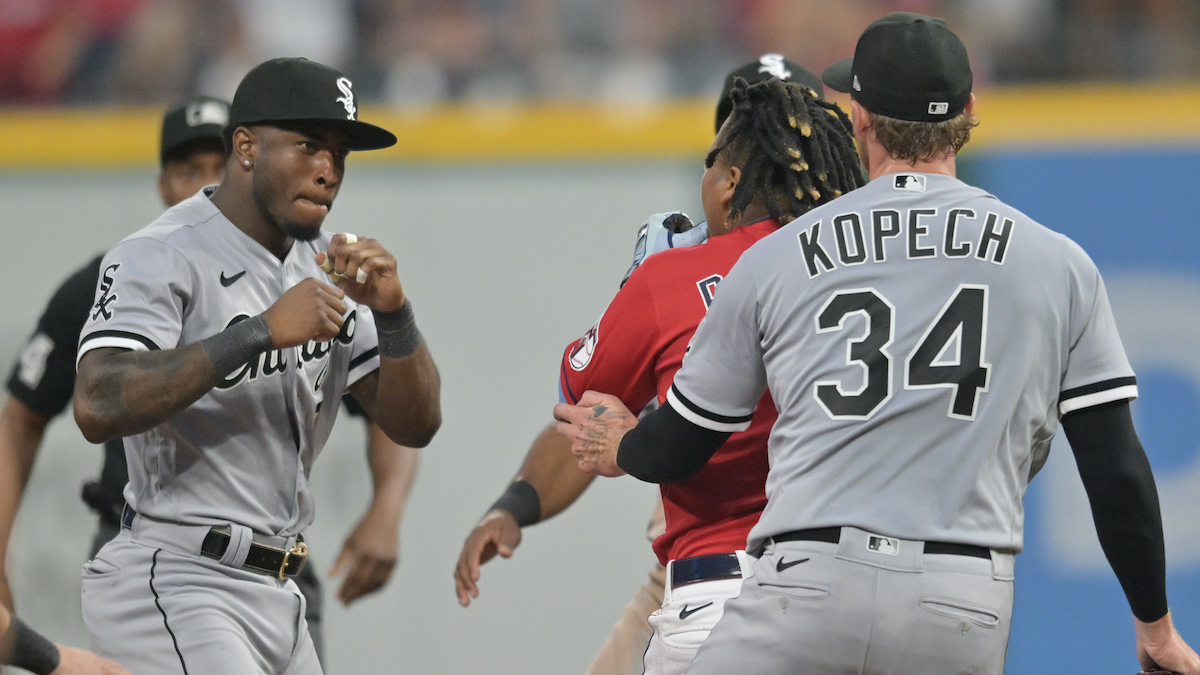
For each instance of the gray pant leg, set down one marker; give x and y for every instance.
(952, 618)
(829, 615)
(307, 580)
(310, 586)
(157, 612)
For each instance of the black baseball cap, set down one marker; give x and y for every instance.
(766, 67)
(907, 66)
(295, 90)
(200, 118)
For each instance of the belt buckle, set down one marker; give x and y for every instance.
(301, 549)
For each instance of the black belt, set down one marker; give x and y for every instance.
(705, 568)
(260, 558)
(834, 534)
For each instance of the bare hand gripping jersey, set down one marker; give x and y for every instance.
(243, 452)
(920, 339)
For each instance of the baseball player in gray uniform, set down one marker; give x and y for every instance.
(922, 340)
(218, 348)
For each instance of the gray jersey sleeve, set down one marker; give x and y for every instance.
(142, 295)
(1097, 370)
(722, 377)
(364, 355)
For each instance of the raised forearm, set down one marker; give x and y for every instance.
(552, 470)
(120, 393)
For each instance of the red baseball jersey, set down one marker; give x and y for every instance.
(633, 352)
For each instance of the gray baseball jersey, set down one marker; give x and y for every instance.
(920, 339)
(243, 452)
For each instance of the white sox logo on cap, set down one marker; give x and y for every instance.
(773, 65)
(206, 112)
(347, 99)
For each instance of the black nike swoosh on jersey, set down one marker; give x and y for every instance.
(685, 612)
(228, 281)
(783, 565)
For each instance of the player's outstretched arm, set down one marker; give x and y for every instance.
(121, 392)
(21, 431)
(1121, 490)
(372, 550)
(404, 396)
(547, 483)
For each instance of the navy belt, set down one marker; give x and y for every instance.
(834, 534)
(260, 558)
(705, 568)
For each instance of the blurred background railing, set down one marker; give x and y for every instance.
(417, 53)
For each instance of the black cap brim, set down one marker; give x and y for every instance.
(839, 76)
(361, 135)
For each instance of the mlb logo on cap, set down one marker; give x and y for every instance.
(939, 108)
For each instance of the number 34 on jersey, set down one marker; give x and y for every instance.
(951, 353)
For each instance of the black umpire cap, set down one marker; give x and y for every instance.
(200, 118)
(766, 67)
(299, 90)
(906, 66)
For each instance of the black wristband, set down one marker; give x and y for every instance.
(398, 334)
(30, 650)
(522, 501)
(236, 345)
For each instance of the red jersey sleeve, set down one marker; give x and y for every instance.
(618, 354)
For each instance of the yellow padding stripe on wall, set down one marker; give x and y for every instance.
(1029, 116)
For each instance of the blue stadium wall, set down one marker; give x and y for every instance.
(1137, 213)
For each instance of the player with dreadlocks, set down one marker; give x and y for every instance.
(796, 150)
(782, 152)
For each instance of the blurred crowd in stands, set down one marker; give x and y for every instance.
(423, 52)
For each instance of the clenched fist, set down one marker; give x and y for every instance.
(310, 310)
(348, 256)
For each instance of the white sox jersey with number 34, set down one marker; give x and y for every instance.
(920, 339)
(243, 452)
